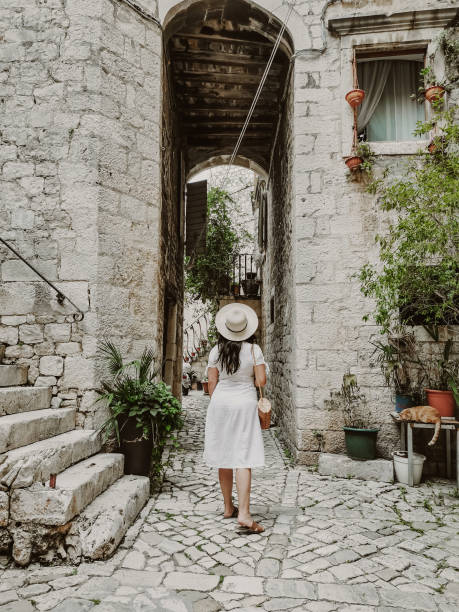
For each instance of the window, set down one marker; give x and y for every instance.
(388, 112)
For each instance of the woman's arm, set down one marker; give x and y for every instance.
(212, 376)
(260, 375)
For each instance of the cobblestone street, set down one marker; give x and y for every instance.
(330, 544)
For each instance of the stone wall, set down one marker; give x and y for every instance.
(336, 222)
(278, 275)
(80, 190)
(170, 288)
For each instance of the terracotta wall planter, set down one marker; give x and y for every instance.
(434, 93)
(354, 163)
(355, 97)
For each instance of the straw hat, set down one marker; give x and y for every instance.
(236, 321)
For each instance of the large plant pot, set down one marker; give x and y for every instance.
(360, 443)
(137, 452)
(403, 401)
(401, 467)
(205, 388)
(185, 390)
(443, 401)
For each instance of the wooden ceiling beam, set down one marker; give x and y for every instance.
(229, 59)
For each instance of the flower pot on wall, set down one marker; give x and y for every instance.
(360, 443)
(355, 97)
(443, 401)
(434, 93)
(354, 162)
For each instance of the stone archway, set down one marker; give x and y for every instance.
(215, 52)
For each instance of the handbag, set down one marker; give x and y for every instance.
(264, 405)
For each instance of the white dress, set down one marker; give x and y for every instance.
(233, 436)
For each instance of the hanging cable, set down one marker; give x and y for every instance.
(257, 95)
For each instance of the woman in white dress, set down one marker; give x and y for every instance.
(233, 437)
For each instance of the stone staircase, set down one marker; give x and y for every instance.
(88, 511)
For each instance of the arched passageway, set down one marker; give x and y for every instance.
(215, 53)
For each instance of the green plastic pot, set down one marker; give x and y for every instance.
(360, 443)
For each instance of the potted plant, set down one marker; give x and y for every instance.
(194, 378)
(398, 362)
(205, 385)
(360, 439)
(433, 89)
(362, 159)
(442, 373)
(143, 411)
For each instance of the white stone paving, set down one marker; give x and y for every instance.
(330, 545)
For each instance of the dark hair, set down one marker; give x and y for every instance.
(229, 353)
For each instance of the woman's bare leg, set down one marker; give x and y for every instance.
(225, 476)
(243, 484)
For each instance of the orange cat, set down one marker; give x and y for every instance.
(423, 414)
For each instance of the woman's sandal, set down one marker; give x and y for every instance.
(254, 527)
(234, 514)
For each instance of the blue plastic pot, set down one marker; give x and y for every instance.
(402, 402)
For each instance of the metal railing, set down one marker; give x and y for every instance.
(244, 281)
(195, 338)
(60, 296)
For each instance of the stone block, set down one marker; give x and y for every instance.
(68, 348)
(13, 320)
(14, 400)
(45, 381)
(16, 270)
(51, 365)
(27, 427)
(76, 488)
(4, 508)
(30, 334)
(35, 462)
(78, 373)
(13, 375)
(379, 470)
(8, 335)
(58, 332)
(104, 522)
(192, 582)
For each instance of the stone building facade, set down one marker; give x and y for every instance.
(94, 159)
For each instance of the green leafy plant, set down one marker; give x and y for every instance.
(208, 275)
(448, 42)
(367, 154)
(442, 371)
(133, 391)
(352, 401)
(429, 79)
(399, 362)
(418, 279)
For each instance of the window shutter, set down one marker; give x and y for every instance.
(196, 217)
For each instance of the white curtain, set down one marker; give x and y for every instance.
(372, 78)
(390, 113)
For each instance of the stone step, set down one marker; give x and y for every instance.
(76, 488)
(35, 462)
(24, 399)
(103, 524)
(27, 427)
(12, 375)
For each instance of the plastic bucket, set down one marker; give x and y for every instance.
(402, 402)
(401, 466)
